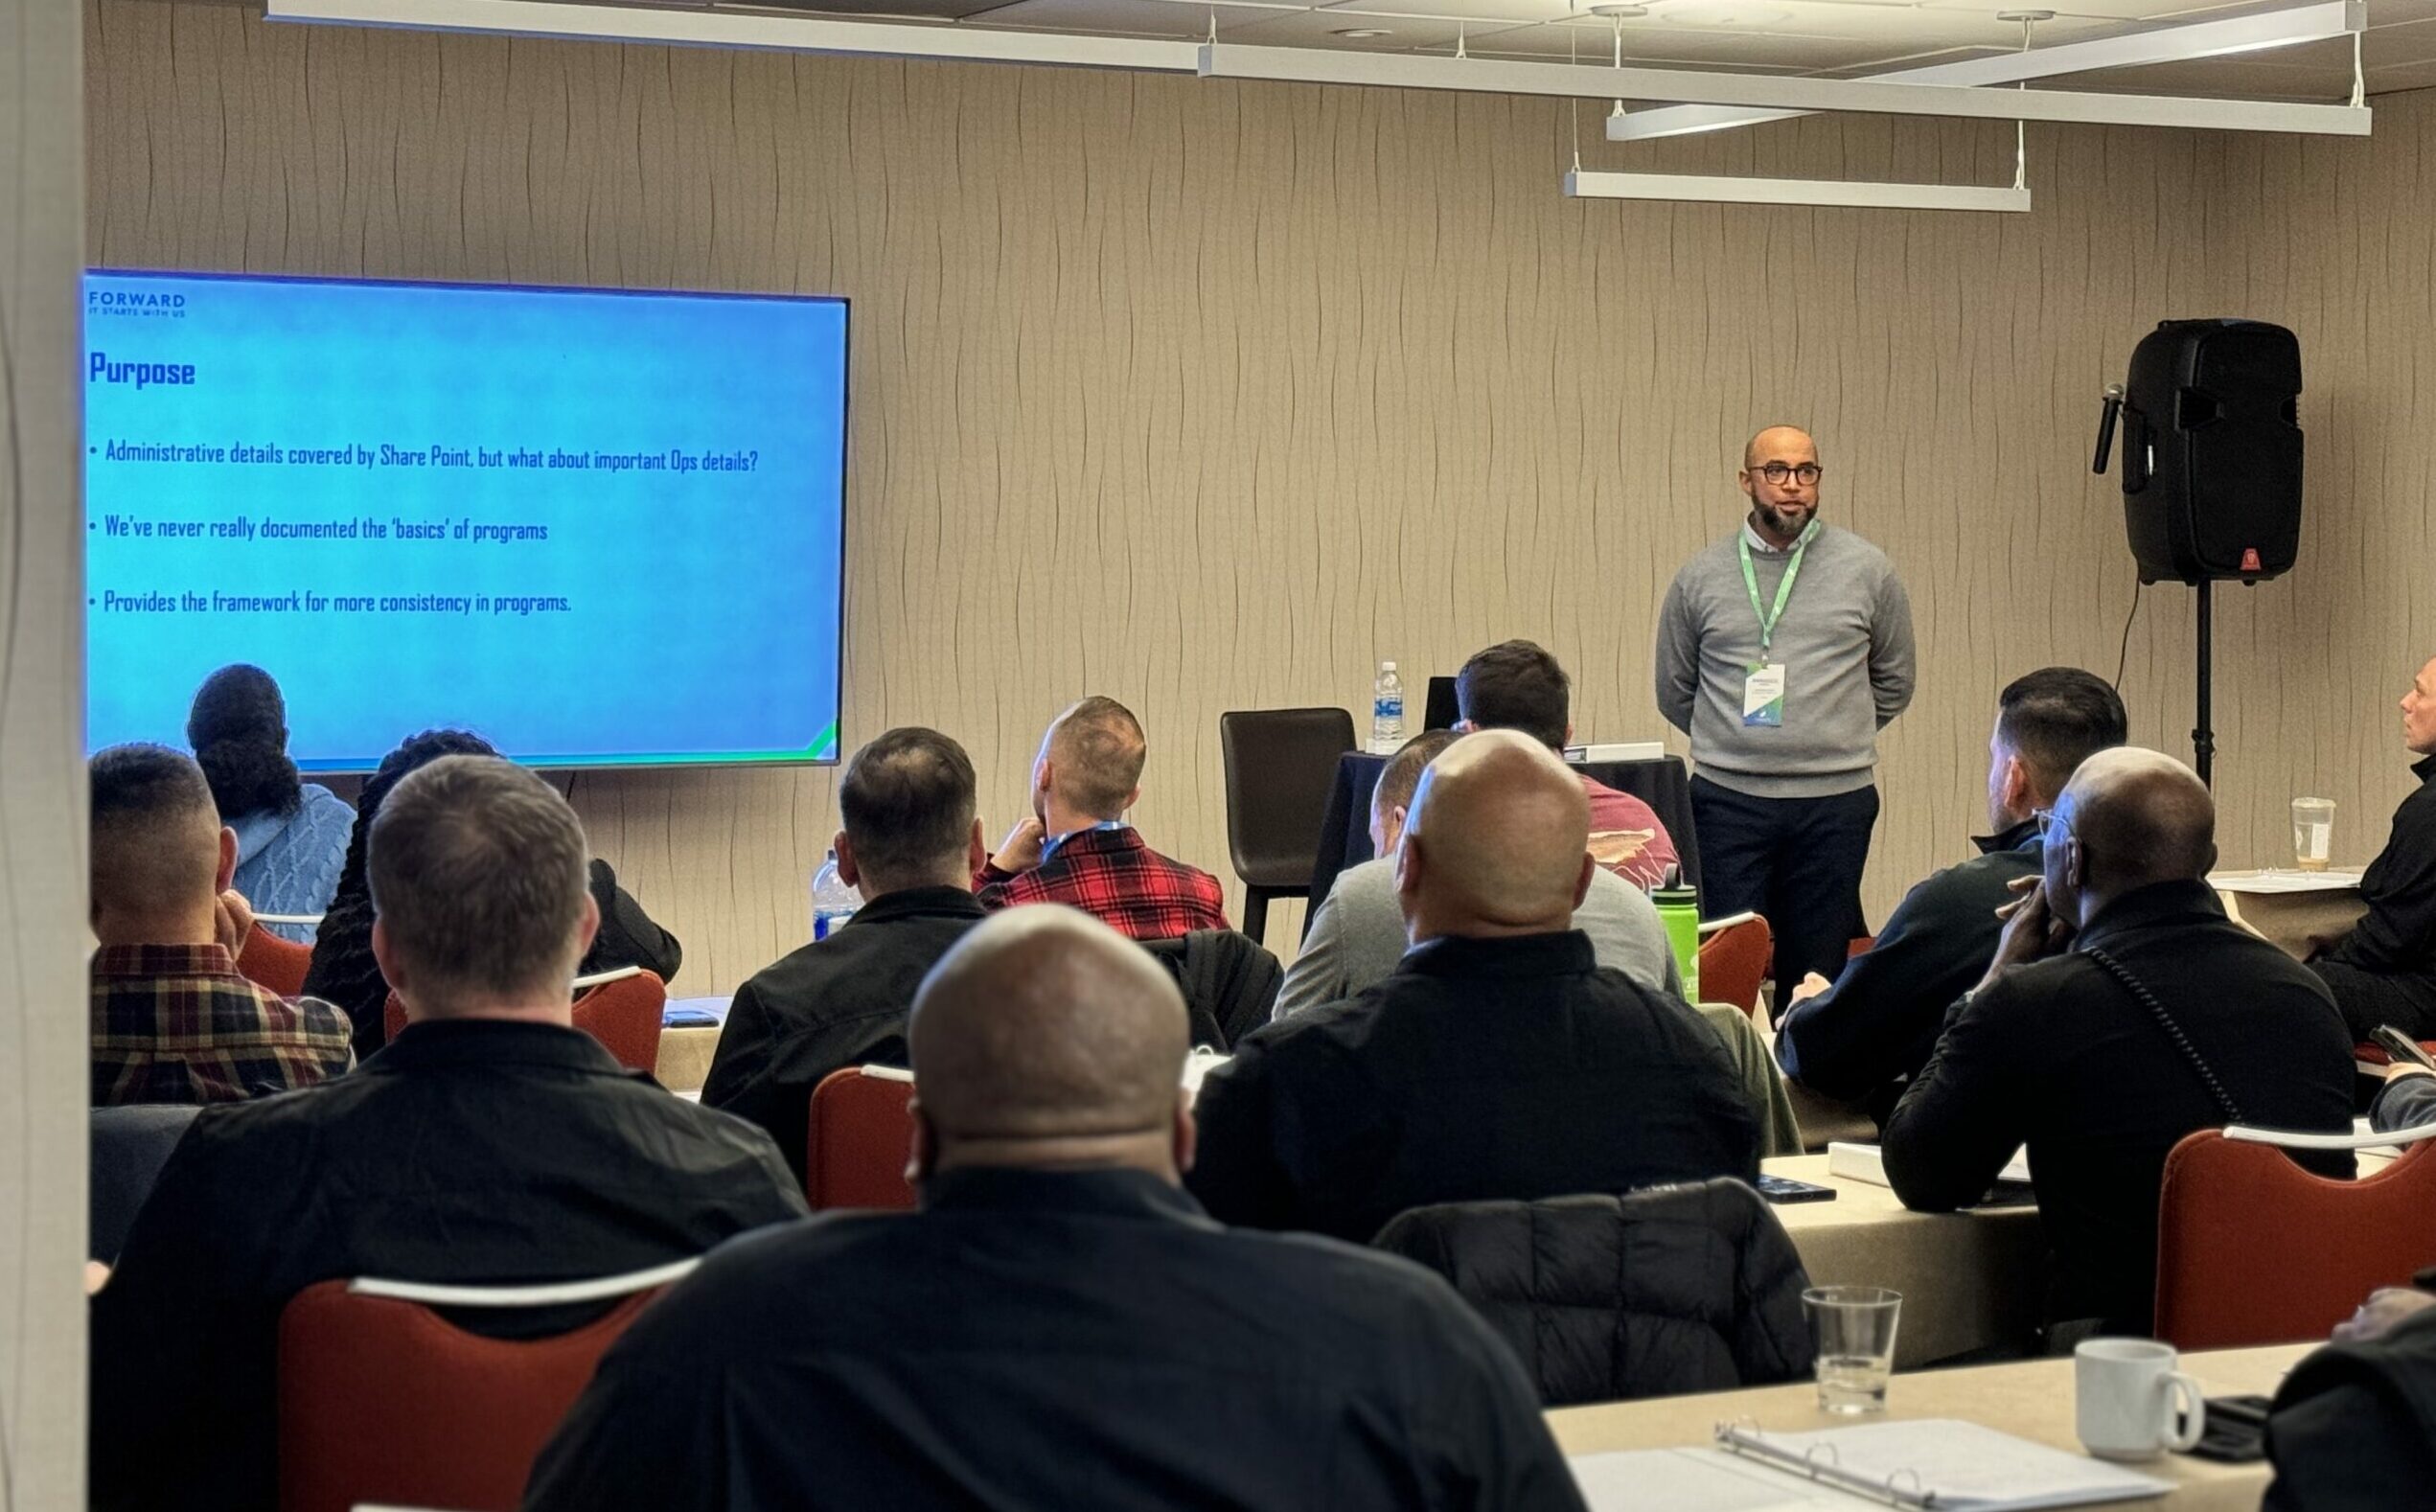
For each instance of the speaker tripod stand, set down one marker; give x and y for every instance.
(2204, 736)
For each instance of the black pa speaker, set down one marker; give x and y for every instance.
(2212, 450)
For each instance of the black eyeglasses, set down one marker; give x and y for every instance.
(1804, 474)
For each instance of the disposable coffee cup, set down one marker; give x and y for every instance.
(2312, 833)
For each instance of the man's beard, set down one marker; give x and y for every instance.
(1780, 523)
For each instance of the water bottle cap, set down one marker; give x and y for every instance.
(1387, 666)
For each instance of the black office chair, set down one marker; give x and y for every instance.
(1280, 765)
(131, 1145)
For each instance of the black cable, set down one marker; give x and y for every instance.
(2173, 1031)
(2123, 655)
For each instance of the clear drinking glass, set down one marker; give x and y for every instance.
(2312, 833)
(1852, 1331)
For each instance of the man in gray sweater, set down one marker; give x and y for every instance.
(1783, 650)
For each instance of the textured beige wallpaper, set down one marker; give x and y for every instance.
(1209, 394)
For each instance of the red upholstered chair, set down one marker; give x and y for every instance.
(382, 1399)
(861, 1134)
(622, 1009)
(1734, 961)
(276, 964)
(2253, 1250)
(2372, 1059)
(1862, 945)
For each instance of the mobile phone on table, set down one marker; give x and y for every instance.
(2235, 1429)
(1786, 1189)
(2402, 1046)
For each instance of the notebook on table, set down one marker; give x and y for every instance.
(1930, 1463)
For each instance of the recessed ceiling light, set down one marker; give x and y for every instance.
(1620, 12)
(1363, 33)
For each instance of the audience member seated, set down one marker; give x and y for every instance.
(343, 968)
(911, 843)
(1499, 1060)
(1058, 1326)
(2121, 1012)
(2384, 970)
(291, 834)
(1357, 932)
(2354, 1425)
(1357, 937)
(1515, 685)
(2406, 1101)
(1862, 1039)
(1079, 849)
(173, 1020)
(491, 1144)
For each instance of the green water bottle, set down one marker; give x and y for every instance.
(1679, 910)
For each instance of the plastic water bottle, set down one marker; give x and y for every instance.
(1679, 910)
(1387, 711)
(833, 902)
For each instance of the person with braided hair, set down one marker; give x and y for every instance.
(291, 834)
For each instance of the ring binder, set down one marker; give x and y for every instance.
(1736, 1438)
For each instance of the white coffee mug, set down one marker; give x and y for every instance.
(2127, 1395)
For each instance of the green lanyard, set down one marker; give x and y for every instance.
(1768, 617)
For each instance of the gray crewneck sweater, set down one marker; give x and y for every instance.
(1846, 642)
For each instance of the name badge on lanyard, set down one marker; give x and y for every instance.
(1763, 680)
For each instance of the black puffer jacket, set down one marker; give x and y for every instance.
(1229, 982)
(1674, 1289)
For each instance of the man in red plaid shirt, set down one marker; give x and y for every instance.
(1078, 849)
(173, 1020)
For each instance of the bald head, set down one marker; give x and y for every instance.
(1046, 1039)
(1091, 763)
(1788, 443)
(2131, 817)
(1498, 841)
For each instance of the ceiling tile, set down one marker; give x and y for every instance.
(1319, 28)
(2412, 42)
(1672, 47)
(1846, 38)
(1156, 18)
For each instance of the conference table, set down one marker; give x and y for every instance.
(2298, 912)
(1970, 1280)
(1345, 828)
(2032, 1399)
(687, 1048)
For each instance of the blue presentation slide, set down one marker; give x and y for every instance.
(594, 528)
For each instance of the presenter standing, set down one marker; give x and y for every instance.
(1783, 650)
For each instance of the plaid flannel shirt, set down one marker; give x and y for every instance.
(177, 1023)
(1117, 879)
